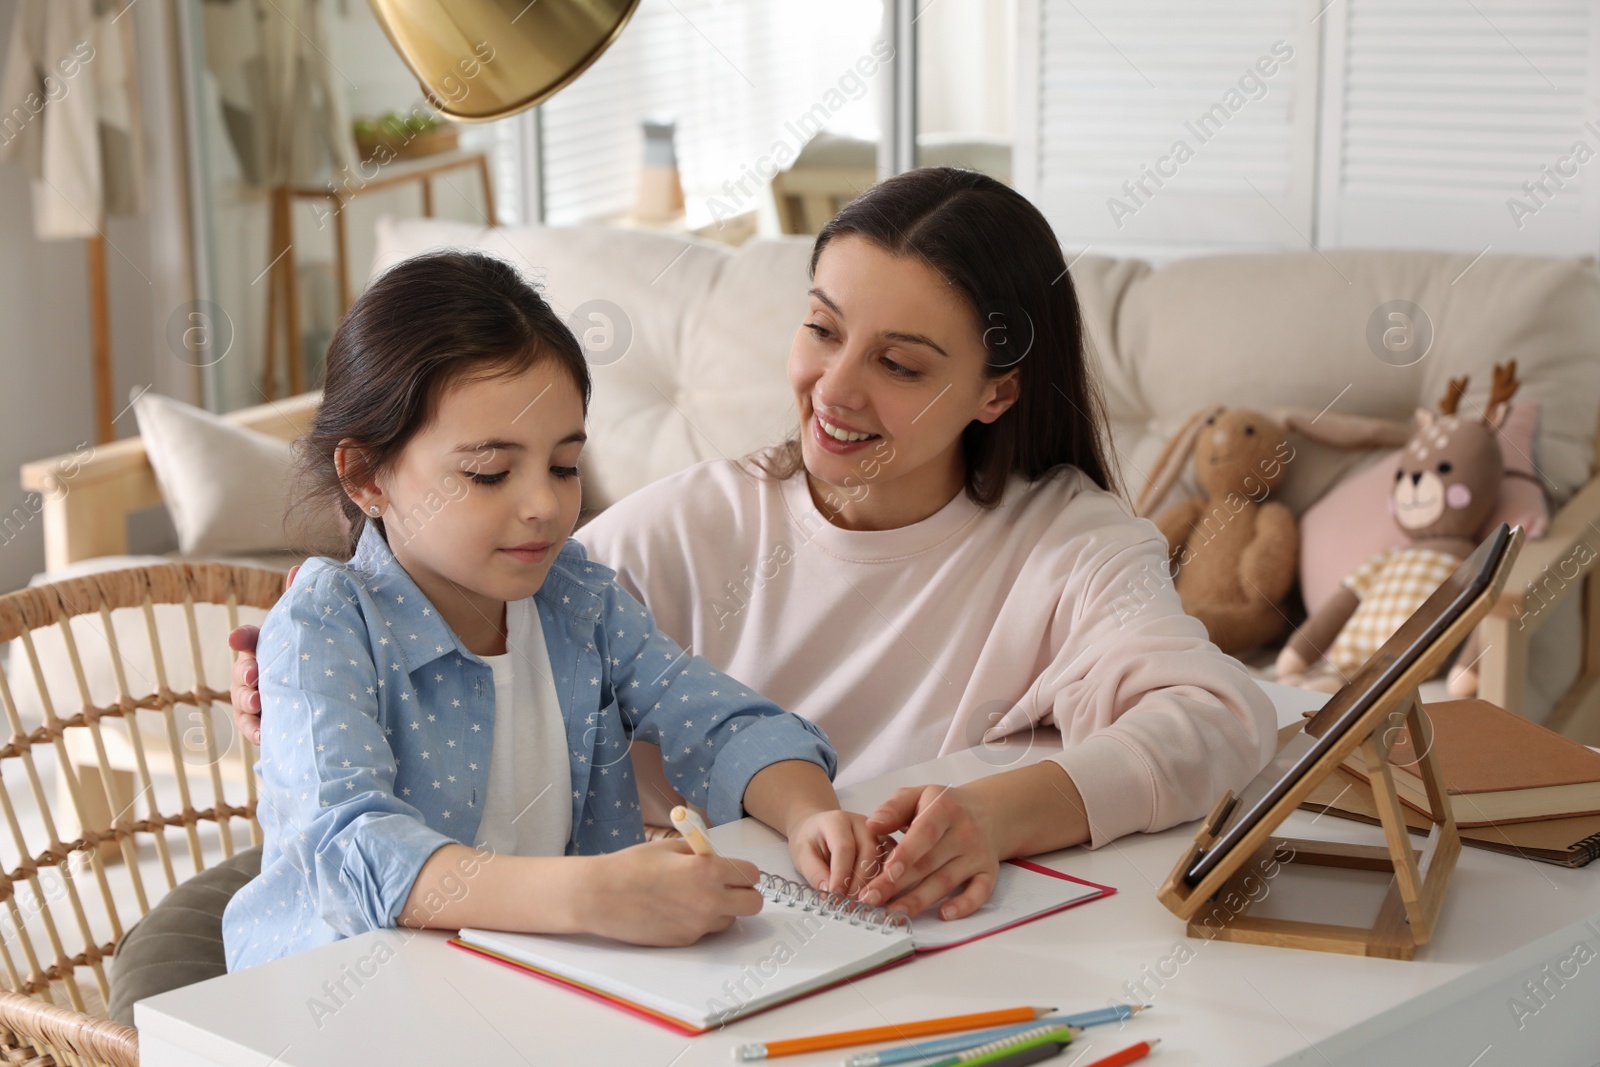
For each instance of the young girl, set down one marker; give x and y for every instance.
(470, 678)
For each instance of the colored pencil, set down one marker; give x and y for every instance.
(920, 1028)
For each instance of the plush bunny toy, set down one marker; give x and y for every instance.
(1445, 486)
(1234, 552)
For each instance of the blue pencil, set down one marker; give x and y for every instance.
(923, 1050)
(961, 1042)
(1116, 1013)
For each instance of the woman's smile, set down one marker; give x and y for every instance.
(838, 438)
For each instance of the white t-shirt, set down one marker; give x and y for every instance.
(528, 811)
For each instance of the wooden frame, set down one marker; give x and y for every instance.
(283, 308)
(1411, 908)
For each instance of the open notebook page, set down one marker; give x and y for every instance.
(1019, 894)
(762, 959)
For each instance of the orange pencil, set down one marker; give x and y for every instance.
(895, 1032)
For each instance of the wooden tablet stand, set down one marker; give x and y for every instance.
(1218, 907)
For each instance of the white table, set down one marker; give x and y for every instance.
(408, 998)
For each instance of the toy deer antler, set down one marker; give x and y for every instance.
(1505, 385)
(1453, 395)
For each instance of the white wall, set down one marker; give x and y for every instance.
(45, 401)
(46, 374)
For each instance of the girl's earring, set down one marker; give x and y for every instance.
(375, 509)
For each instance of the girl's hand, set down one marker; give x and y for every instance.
(950, 843)
(661, 893)
(836, 852)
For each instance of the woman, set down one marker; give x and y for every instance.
(939, 559)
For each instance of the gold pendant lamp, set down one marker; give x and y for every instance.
(480, 60)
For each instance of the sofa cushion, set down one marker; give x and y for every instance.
(180, 942)
(1290, 329)
(199, 461)
(702, 373)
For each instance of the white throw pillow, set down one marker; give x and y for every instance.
(228, 487)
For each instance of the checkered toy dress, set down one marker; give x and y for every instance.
(1391, 585)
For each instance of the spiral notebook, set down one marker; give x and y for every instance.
(801, 942)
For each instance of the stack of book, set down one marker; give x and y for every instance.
(1513, 786)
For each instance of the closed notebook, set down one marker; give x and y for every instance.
(1497, 766)
(1569, 841)
(802, 941)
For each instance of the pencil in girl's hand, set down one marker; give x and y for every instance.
(693, 828)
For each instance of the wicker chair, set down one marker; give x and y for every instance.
(46, 1016)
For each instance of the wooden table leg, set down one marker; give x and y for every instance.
(341, 255)
(100, 336)
(276, 252)
(488, 190)
(291, 300)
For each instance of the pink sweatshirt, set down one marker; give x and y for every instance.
(903, 645)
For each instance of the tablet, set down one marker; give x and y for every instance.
(1374, 678)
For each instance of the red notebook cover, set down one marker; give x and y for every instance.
(645, 1013)
(675, 1025)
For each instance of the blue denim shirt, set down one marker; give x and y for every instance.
(377, 724)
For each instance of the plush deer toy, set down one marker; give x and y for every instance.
(1445, 486)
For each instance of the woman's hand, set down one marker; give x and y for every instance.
(246, 694)
(661, 893)
(950, 843)
(836, 852)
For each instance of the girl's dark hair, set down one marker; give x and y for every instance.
(429, 323)
(994, 247)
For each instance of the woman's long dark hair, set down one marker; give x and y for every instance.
(430, 322)
(994, 247)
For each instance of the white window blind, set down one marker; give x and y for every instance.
(1169, 124)
(1458, 125)
(741, 77)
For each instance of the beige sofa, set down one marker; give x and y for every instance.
(701, 334)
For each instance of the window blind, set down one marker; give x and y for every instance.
(741, 78)
(1170, 123)
(1462, 126)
